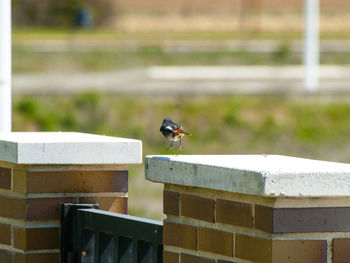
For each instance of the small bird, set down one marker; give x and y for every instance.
(172, 131)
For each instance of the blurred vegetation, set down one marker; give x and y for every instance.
(39, 33)
(300, 126)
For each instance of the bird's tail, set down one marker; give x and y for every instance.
(180, 131)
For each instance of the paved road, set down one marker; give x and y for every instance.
(185, 80)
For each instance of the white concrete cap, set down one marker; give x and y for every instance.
(68, 148)
(266, 175)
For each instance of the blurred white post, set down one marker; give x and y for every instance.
(5, 65)
(311, 48)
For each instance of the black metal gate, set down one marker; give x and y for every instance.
(89, 235)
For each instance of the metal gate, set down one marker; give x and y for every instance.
(89, 235)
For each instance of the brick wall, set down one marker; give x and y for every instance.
(211, 226)
(30, 198)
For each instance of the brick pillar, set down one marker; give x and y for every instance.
(268, 209)
(38, 171)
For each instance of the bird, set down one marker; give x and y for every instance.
(173, 131)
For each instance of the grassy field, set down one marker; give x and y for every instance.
(313, 127)
(22, 34)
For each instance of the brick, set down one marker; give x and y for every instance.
(341, 248)
(253, 249)
(299, 251)
(32, 209)
(36, 238)
(13, 257)
(13, 208)
(77, 182)
(5, 178)
(19, 237)
(46, 208)
(326, 219)
(180, 235)
(302, 220)
(170, 257)
(20, 258)
(234, 213)
(5, 234)
(19, 181)
(197, 207)
(216, 241)
(263, 218)
(37, 258)
(171, 203)
(6, 256)
(113, 204)
(186, 258)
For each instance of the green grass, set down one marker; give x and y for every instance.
(306, 127)
(30, 33)
(20, 34)
(220, 124)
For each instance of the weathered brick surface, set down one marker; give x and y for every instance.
(19, 237)
(302, 220)
(36, 238)
(299, 251)
(186, 258)
(72, 182)
(197, 207)
(234, 213)
(5, 178)
(325, 219)
(253, 249)
(42, 209)
(170, 257)
(12, 207)
(180, 235)
(39, 209)
(171, 203)
(341, 250)
(216, 241)
(6, 257)
(5, 234)
(113, 204)
(37, 258)
(264, 218)
(19, 181)
(13, 257)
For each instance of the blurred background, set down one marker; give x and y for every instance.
(229, 71)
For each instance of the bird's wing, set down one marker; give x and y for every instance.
(170, 128)
(181, 131)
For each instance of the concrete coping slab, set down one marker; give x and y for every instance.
(68, 148)
(264, 175)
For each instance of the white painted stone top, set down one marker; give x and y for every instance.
(68, 148)
(266, 175)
